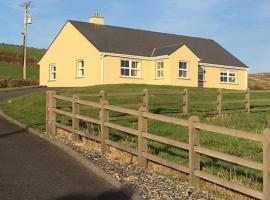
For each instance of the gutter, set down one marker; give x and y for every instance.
(135, 57)
(224, 66)
(102, 68)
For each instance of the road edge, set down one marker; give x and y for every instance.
(71, 152)
(21, 88)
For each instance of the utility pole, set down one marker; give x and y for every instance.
(27, 20)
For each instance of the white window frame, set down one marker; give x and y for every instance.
(80, 68)
(179, 69)
(227, 75)
(52, 73)
(203, 74)
(159, 70)
(130, 68)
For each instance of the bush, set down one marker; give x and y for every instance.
(10, 82)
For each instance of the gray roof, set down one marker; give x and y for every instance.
(128, 41)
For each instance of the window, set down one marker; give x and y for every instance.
(201, 73)
(159, 69)
(52, 72)
(227, 76)
(130, 68)
(80, 68)
(183, 69)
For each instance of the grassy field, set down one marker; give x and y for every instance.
(259, 81)
(11, 68)
(16, 50)
(8, 70)
(30, 109)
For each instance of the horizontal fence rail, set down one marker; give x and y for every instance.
(185, 104)
(144, 137)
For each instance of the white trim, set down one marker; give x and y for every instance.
(139, 68)
(222, 66)
(246, 80)
(50, 71)
(227, 71)
(161, 69)
(187, 70)
(82, 68)
(134, 56)
(102, 69)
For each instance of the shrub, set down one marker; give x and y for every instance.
(10, 82)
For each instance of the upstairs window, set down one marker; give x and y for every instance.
(159, 69)
(80, 69)
(52, 72)
(227, 76)
(183, 69)
(130, 68)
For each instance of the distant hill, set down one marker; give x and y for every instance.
(11, 61)
(259, 81)
(17, 50)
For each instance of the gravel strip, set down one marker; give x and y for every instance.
(148, 185)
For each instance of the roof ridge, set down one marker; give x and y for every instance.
(137, 29)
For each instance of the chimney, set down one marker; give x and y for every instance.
(96, 19)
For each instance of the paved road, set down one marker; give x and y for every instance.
(33, 169)
(15, 93)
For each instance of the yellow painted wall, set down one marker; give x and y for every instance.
(212, 78)
(112, 71)
(184, 54)
(69, 46)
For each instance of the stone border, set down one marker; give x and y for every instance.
(74, 154)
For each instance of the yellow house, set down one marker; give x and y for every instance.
(91, 53)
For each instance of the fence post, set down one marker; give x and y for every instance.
(194, 158)
(75, 121)
(50, 114)
(186, 101)
(142, 142)
(266, 164)
(219, 101)
(146, 99)
(247, 98)
(104, 117)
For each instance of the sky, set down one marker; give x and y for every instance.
(240, 26)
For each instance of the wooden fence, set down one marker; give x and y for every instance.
(193, 146)
(186, 101)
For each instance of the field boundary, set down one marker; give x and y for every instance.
(193, 170)
(186, 103)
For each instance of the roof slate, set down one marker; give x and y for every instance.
(129, 41)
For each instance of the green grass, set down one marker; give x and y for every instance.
(33, 53)
(30, 109)
(15, 71)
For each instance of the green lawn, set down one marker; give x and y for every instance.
(30, 109)
(8, 70)
(33, 53)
